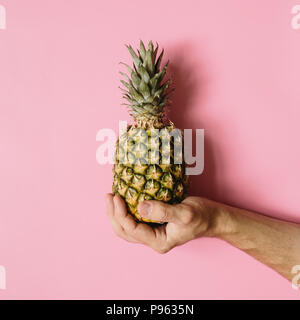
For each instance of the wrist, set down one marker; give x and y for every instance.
(221, 220)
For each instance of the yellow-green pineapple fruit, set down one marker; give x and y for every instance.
(148, 163)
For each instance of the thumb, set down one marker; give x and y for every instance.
(159, 211)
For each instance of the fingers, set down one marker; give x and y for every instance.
(187, 221)
(110, 208)
(124, 219)
(117, 227)
(109, 204)
(163, 212)
(140, 232)
(127, 228)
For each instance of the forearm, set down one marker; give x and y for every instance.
(274, 242)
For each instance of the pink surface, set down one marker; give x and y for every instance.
(236, 68)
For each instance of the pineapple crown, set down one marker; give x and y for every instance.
(145, 91)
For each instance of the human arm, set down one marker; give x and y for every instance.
(274, 242)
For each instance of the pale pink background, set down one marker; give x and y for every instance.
(236, 68)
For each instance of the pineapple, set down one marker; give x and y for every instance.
(148, 158)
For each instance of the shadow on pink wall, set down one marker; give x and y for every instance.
(189, 76)
(187, 79)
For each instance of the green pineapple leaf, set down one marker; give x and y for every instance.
(148, 64)
(155, 53)
(143, 73)
(144, 89)
(125, 84)
(162, 73)
(128, 67)
(157, 65)
(135, 58)
(142, 50)
(135, 79)
(124, 75)
(153, 83)
(150, 46)
(137, 97)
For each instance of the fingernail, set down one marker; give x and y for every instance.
(145, 208)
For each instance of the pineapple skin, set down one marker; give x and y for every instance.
(146, 175)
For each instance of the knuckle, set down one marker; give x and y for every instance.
(188, 217)
(119, 232)
(162, 249)
(187, 214)
(129, 227)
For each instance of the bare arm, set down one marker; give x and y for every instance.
(273, 242)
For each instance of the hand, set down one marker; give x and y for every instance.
(192, 218)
